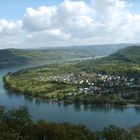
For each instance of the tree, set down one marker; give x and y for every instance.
(18, 116)
(115, 133)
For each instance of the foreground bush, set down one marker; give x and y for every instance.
(17, 124)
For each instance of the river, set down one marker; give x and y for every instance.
(93, 116)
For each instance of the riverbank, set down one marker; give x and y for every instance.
(91, 116)
(84, 99)
(67, 83)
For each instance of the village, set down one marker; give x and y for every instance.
(99, 83)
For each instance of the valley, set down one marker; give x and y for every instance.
(109, 80)
(69, 70)
(76, 91)
(43, 56)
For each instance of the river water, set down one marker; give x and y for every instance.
(93, 116)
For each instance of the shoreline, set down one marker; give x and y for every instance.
(68, 102)
(122, 103)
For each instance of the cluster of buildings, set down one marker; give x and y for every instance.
(97, 83)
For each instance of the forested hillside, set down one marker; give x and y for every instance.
(10, 57)
(127, 55)
(124, 62)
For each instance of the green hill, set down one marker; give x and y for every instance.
(126, 55)
(125, 62)
(10, 57)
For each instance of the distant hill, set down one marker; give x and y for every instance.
(105, 49)
(10, 57)
(127, 55)
(125, 61)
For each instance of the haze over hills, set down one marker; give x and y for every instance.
(127, 55)
(125, 61)
(33, 56)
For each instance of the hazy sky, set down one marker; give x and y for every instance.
(45, 23)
